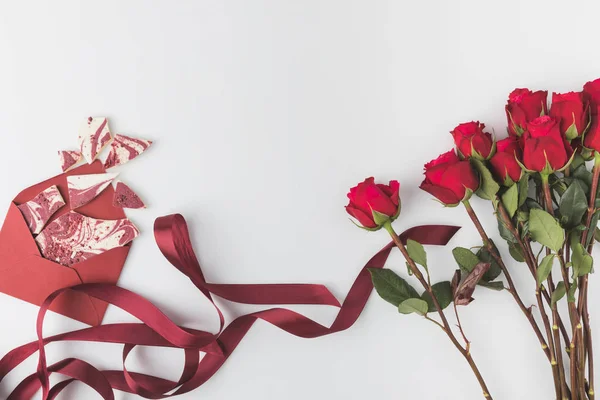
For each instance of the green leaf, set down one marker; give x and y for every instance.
(516, 252)
(558, 293)
(413, 305)
(572, 290)
(571, 132)
(496, 285)
(582, 261)
(410, 273)
(442, 292)
(531, 204)
(465, 258)
(573, 205)
(416, 251)
(523, 216)
(583, 176)
(557, 184)
(577, 161)
(488, 186)
(485, 256)
(525, 229)
(544, 269)
(505, 233)
(391, 287)
(592, 227)
(545, 229)
(379, 218)
(510, 199)
(523, 189)
(597, 234)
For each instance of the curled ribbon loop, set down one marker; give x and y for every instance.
(158, 330)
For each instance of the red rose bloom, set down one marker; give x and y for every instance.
(572, 110)
(504, 162)
(592, 137)
(472, 141)
(591, 91)
(448, 178)
(368, 198)
(524, 106)
(544, 149)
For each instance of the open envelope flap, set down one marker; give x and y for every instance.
(101, 207)
(15, 237)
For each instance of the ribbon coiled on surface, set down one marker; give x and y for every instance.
(156, 329)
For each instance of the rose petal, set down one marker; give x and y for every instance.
(444, 195)
(363, 218)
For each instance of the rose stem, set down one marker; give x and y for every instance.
(575, 343)
(583, 287)
(417, 273)
(547, 296)
(512, 290)
(533, 268)
(530, 260)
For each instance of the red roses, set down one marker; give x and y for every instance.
(374, 204)
(592, 93)
(524, 106)
(472, 141)
(504, 162)
(538, 141)
(572, 110)
(448, 178)
(544, 149)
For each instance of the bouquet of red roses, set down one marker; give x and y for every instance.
(542, 183)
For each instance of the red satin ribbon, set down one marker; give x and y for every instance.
(157, 329)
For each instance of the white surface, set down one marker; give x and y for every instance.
(264, 113)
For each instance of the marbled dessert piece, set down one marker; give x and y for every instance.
(84, 188)
(69, 158)
(73, 237)
(94, 135)
(124, 149)
(38, 211)
(126, 198)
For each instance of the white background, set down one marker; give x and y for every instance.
(264, 113)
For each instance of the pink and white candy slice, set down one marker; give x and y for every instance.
(84, 188)
(124, 149)
(69, 158)
(40, 209)
(73, 237)
(126, 198)
(94, 135)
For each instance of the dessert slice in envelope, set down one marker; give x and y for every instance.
(40, 209)
(124, 149)
(26, 275)
(84, 188)
(73, 237)
(126, 198)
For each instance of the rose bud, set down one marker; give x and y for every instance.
(592, 137)
(504, 162)
(572, 110)
(591, 90)
(544, 148)
(374, 204)
(524, 106)
(449, 179)
(472, 141)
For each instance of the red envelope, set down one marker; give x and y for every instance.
(24, 274)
